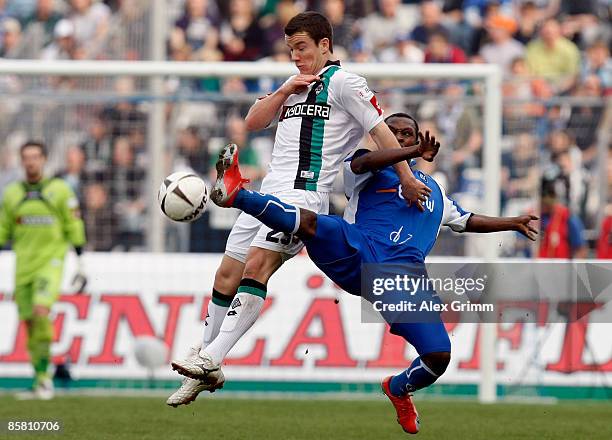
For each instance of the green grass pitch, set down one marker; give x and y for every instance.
(120, 418)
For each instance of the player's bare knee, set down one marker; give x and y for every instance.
(222, 278)
(228, 276)
(308, 224)
(437, 362)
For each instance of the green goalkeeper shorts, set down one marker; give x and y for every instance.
(42, 290)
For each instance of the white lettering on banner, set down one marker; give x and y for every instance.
(147, 294)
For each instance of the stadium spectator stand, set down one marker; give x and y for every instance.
(557, 85)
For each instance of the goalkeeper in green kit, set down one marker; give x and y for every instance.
(41, 218)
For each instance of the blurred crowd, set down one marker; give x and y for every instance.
(555, 56)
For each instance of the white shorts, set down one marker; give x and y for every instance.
(248, 231)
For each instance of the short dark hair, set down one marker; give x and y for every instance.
(38, 144)
(316, 25)
(440, 33)
(548, 187)
(405, 116)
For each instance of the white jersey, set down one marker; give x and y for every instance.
(318, 128)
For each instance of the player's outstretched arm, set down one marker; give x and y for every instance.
(483, 224)
(74, 230)
(413, 190)
(265, 110)
(377, 160)
(427, 148)
(6, 222)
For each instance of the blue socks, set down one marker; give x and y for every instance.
(414, 378)
(269, 210)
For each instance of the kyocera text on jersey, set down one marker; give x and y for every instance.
(303, 110)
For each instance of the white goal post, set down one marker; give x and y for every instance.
(156, 70)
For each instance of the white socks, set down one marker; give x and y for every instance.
(240, 317)
(212, 323)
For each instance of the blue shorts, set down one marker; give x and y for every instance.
(340, 249)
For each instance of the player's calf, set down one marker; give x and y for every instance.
(420, 374)
(40, 335)
(437, 362)
(228, 276)
(276, 214)
(261, 264)
(433, 344)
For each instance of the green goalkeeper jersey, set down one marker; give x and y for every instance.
(41, 220)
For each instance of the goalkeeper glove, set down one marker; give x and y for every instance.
(79, 281)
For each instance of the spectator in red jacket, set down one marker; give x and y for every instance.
(561, 233)
(440, 50)
(604, 243)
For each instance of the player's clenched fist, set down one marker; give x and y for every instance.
(298, 84)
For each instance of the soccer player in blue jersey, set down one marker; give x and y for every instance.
(379, 226)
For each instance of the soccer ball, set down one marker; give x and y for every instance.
(150, 352)
(183, 196)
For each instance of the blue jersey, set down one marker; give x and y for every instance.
(398, 232)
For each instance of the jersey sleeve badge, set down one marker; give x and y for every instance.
(367, 95)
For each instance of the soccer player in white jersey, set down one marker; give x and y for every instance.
(378, 229)
(323, 113)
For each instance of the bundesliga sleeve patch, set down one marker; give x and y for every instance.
(366, 94)
(374, 102)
